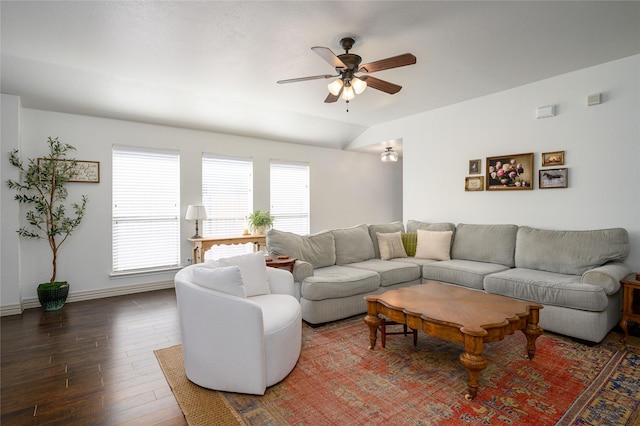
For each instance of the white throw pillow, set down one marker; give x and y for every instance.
(435, 245)
(254, 272)
(226, 279)
(390, 245)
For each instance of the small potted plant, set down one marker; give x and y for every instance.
(259, 221)
(42, 186)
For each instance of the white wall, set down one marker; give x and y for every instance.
(347, 188)
(9, 256)
(601, 144)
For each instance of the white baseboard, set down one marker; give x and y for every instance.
(79, 296)
(7, 310)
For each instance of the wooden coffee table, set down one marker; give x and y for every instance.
(457, 314)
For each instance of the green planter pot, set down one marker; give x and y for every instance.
(53, 296)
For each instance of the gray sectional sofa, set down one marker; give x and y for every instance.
(575, 275)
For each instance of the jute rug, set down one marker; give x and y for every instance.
(338, 381)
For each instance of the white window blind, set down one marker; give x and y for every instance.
(227, 194)
(146, 209)
(290, 196)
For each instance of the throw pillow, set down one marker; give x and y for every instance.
(254, 272)
(390, 245)
(433, 245)
(226, 279)
(410, 240)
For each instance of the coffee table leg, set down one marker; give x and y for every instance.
(474, 362)
(373, 321)
(532, 331)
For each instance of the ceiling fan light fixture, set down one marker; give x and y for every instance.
(389, 156)
(347, 93)
(358, 85)
(335, 87)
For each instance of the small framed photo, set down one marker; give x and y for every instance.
(553, 178)
(474, 167)
(474, 183)
(555, 158)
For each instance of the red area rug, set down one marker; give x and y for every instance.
(339, 381)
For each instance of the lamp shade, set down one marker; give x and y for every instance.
(347, 93)
(335, 87)
(358, 85)
(389, 156)
(196, 212)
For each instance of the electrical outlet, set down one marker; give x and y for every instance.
(189, 261)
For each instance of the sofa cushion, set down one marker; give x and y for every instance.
(485, 243)
(227, 279)
(410, 242)
(547, 288)
(317, 249)
(390, 245)
(333, 282)
(414, 225)
(390, 272)
(466, 273)
(434, 245)
(414, 260)
(353, 244)
(384, 228)
(254, 272)
(569, 252)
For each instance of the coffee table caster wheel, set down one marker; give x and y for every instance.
(468, 397)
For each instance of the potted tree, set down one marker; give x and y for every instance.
(259, 221)
(42, 187)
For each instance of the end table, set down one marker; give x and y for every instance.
(630, 310)
(281, 262)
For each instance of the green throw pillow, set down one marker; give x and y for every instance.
(410, 241)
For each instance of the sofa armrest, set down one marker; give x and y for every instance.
(302, 270)
(280, 281)
(607, 276)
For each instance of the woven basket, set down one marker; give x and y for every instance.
(53, 299)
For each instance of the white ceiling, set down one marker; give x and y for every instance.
(214, 65)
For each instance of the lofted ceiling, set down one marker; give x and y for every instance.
(214, 65)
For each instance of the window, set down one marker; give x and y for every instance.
(290, 196)
(227, 194)
(146, 209)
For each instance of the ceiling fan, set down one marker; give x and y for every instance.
(347, 85)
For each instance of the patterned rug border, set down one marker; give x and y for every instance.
(592, 402)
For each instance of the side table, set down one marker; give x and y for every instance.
(630, 310)
(281, 262)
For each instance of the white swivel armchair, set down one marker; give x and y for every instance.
(233, 339)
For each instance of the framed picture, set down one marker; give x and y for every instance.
(510, 172)
(87, 171)
(553, 178)
(474, 183)
(474, 167)
(555, 158)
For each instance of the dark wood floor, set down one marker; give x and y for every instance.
(90, 363)
(93, 363)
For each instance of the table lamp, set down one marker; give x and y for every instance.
(196, 212)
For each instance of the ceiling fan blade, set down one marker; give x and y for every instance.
(331, 98)
(326, 54)
(385, 64)
(381, 85)
(313, 77)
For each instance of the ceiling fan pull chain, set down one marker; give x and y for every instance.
(347, 106)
